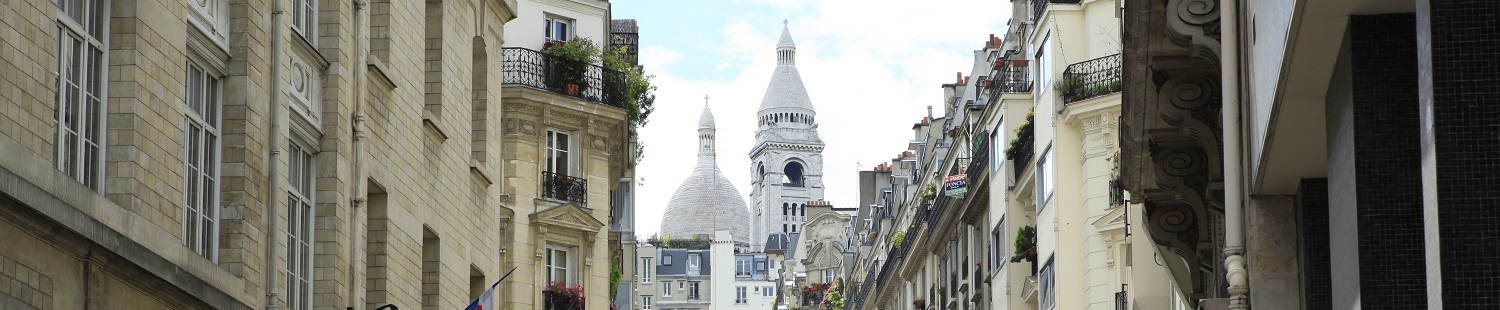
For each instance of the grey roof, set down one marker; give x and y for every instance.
(680, 262)
(786, 36)
(776, 241)
(786, 92)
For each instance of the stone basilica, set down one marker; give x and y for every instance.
(786, 163)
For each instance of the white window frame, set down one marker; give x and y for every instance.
(646, 266)
(828, 276)
(666, 289)
(1043, 68)
(997, 147)
(201, 160)
(1046, 175)
(566, 267)
(1047, 280)
(82, 48)
(646, 302)
(567, 32)
(305, 20)
(301, 204)
(741, 295)
(693, 260)
(998, 251)
(693, 291)
(564, 149)
(767, 291)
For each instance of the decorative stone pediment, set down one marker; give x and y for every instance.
(1111, 222)
(567, 216)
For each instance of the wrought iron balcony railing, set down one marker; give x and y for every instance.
(586, 81)
(1091, 78)
(563, 187)
(1012, 77)
(1122, 299)
(1023, 151)
(980, 161)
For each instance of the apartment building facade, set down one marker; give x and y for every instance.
(1355, 128)
(1013, 193)
(165, 154)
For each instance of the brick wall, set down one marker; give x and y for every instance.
(1387, 160)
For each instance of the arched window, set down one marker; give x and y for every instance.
(803, 209)
(793, 174)
(785, 208)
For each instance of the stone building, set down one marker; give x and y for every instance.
(1334, 155)
(787, 159)
(294, 154)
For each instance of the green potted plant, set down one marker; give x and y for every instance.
(560, 296)
(897, 238)
(1025, 245)
(569, 61)
(1070, 87)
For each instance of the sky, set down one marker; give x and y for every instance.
(871, 69)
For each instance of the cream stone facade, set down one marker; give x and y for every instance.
(1031, 133)
(289, 154)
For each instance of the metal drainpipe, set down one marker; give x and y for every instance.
(273, 160)
(357, 180)
(1234, 209)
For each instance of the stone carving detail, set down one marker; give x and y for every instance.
(598, 142)
(1185, 158)
(523, 109)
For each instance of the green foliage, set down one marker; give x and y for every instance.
(1070, 86)
(897, 238)
(927, 193)
(1025, 244)
(639, 94)
(1025, 129)
(614, 280)
(580, 50)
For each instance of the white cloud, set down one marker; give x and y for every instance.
(871, 69)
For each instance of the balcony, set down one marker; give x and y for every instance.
(1091, 78)
(1039, 6)
(980, 162)
(525, 67)
(563, 187)
(1009, 77)
(1022, 151)
(1122, 299)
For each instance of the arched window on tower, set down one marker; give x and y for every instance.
(793, 176)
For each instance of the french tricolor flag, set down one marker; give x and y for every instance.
(486, 301)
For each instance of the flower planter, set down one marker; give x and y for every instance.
(571, 89)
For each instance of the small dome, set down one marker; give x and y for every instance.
(786, 92)
(706, 120)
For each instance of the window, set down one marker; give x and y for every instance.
(559, 28)
(997, 246)
(740, 295)
(299, 230)
(201, 221)
(692, 261)
(666, 289)
(305, 19)
(772, 263)
(666, 260)
(559, 152)
(646, 270)
(646, 302)
(693, 290)
(1044, 68)
(767, 291)
(1046, 176)
(559, 261)
(760, 265)
(81, 62)
(997, 150)
(793, 175)
(1048, 295)
(742, 268)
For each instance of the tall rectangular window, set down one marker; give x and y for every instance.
(693, 290)
(666, 289)
(646, 302)
(79, 109)
(305, 19)
(997, 150)
(1043, 68)
(559, 262)
(559, 152)
(1048, 280)
(997, 246)
(558, 28)
(201, 204)
(646, 270)
(741, 296)
(693, 261)
(1045, 176)
(299, 228)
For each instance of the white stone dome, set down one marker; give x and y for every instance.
(706, 201)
